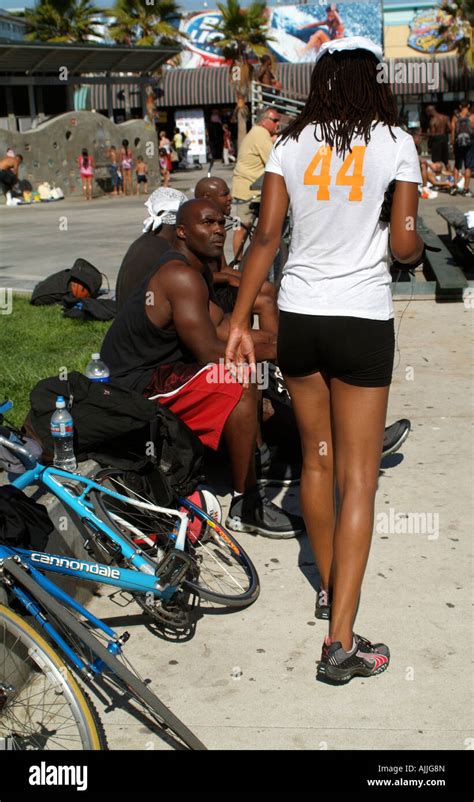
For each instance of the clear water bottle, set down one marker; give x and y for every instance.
(96, 370)
(62, 432)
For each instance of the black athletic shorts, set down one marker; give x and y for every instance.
(464, 156)
(439, 148)
(353, 349)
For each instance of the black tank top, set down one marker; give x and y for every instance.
(133, 346)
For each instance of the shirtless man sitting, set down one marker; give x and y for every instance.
(165, 343)
(9, 167)
(226, 279)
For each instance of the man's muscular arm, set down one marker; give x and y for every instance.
(187, 294)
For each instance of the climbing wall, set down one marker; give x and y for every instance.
(51, 150)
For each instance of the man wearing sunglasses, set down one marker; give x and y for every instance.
(251, 160)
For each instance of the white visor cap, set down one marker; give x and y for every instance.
(350, 43)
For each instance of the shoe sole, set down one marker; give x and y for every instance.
(238, 526)
(398, 443)
(323, 614)
(335, 676)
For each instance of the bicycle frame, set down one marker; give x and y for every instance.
(27, 559)
(85, 511)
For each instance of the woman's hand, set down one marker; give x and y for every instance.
(240, 348)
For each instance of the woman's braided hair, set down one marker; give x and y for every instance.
(345, 98)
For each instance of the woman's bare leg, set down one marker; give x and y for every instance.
(358, 417)
(311, 405)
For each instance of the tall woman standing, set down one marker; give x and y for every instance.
(333, 165)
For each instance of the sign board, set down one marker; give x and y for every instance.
(191, 122)
(296, 32)
(425, 34)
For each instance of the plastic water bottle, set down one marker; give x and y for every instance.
(62, 432)
(96, 370)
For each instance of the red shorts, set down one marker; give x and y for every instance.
(202, 402)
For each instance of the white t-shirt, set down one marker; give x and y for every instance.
(338, 260)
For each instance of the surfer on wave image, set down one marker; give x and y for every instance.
(335, 28)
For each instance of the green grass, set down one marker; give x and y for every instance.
(36, 342)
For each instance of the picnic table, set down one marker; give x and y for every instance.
(457, 226)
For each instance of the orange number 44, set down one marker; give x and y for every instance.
(323, 179)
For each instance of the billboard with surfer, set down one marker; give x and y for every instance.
(296, 32)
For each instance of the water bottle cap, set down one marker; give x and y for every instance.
(95, 356)
(60, 402)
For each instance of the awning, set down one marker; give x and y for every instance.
(411, 76)
(45, 58)
(208, 86)
(121, 95)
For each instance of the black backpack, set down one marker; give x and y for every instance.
(54, 288)
(89, 308)
(23, 522)
(120, 428)
(464, 132)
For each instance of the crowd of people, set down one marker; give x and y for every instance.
(121, 165)
(451, 145)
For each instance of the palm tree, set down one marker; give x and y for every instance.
(243, 34)
(62, 21)
(137, 23)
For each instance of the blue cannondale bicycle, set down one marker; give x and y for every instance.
(160, 555)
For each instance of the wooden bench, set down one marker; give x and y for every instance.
(450, 279)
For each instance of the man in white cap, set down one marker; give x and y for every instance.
(144, 252)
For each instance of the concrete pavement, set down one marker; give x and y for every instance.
(41, 239)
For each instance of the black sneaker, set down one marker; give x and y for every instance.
(365, 659)
(394, 436)
(271, 469)
(253, 512)
(323, 605)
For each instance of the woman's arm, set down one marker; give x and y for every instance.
(313, 25)
(406, 245)
(257, 262)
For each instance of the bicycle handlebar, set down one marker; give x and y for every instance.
(26, 458)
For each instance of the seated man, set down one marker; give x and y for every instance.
(144, 253)
(225, 278)
(9, 167)
(435, 174)
(165, 344)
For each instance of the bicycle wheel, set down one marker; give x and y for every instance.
(41, 704)
(225, 573)
(93, 646)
